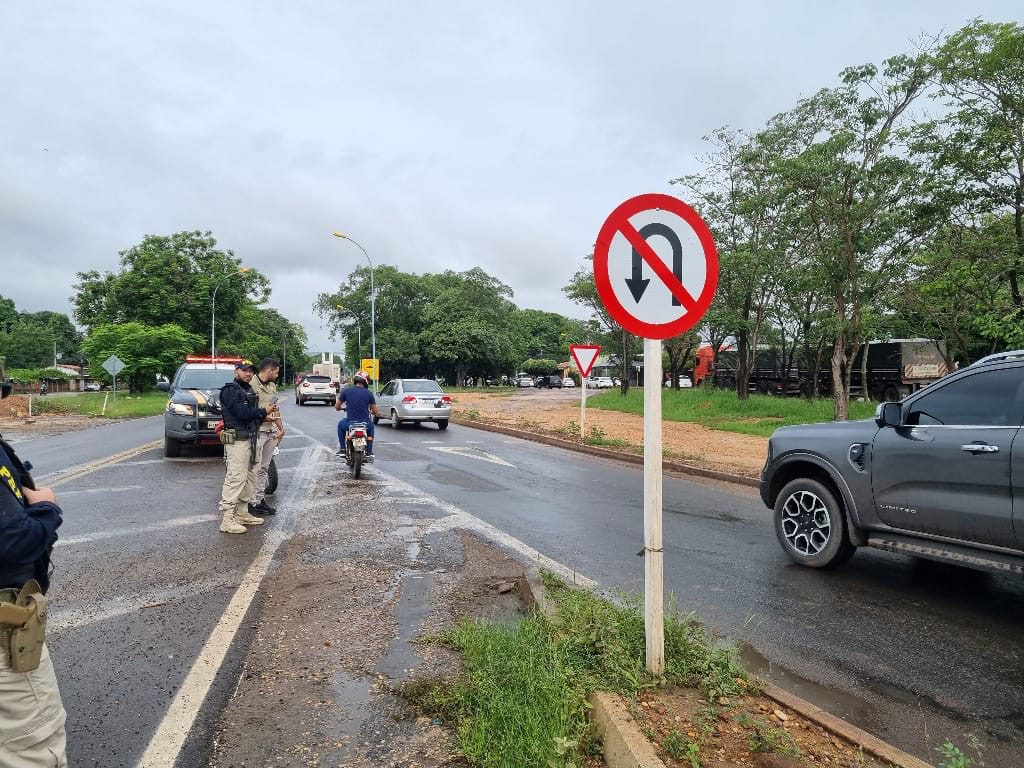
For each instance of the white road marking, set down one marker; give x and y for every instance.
(473, 442)
(178, 522)
(118, 489)
(54, 479)
(75, 617)
(430, 442)
(475, 453)
(170, 735)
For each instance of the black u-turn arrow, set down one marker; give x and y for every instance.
(637, 284)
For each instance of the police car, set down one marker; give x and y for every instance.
(193, 403)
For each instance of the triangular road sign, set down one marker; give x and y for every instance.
(585, 356)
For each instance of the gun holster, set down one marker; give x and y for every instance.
(27, 640)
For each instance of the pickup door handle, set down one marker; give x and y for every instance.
(980, 448)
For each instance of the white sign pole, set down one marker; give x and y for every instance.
(654, 570)
(583, 407)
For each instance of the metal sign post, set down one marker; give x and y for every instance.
(585, 355)
(668, 302)
(113, 365)
(654, 568)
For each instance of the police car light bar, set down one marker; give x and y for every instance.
(210, 359)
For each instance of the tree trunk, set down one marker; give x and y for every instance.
(840, 380)
(864, 371)
(624, 386)
(742, 366)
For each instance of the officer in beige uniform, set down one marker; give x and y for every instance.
(242, 418)
(31, 713)
(270, 434)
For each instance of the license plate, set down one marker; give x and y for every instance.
(211, 424)
(359, 442)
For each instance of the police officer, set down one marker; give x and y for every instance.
(242, 418)
(31, 713)
(271, 432)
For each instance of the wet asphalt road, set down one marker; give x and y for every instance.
(915, 653)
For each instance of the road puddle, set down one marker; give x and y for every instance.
(851, 708)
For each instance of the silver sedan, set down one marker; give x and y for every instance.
(414, 400)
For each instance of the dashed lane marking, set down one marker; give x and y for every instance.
(178, 522)
(54, 479)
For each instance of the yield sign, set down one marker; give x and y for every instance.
(655, 266)
(585, 356)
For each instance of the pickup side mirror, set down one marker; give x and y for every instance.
(889, 415)
(164, 386)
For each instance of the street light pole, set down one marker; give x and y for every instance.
(213, 308)
(373, 296)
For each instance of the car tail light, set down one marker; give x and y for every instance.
(446, 400)
(408, 399)
(305, 385)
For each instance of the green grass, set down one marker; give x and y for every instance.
(521, 699)
(124, 406)
(722, 409)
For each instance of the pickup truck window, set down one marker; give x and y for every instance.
(987, 399)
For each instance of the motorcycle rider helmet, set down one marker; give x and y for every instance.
(361, 376)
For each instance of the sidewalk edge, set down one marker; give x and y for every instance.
(617, 727)
(605, 453)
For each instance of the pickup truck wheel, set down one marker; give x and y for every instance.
(811, 526)
(172, 447)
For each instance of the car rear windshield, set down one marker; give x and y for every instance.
(420, 385)
(319, 379)
(204, 378)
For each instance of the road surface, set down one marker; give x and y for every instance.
(911, 651)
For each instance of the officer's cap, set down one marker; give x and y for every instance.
(245, 367)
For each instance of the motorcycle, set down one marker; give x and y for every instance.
(356, 438)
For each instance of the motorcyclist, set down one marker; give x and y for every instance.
(359, 403)
(43, 388)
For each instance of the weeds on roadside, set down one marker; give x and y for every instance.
(521, 699)
(681, 747)
(953, 756)
(767, 738)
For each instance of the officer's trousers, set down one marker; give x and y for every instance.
(264, 455)
(239, 478)
(31, 714)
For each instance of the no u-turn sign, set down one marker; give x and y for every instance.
(655, 266)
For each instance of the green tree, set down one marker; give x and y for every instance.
(263, 332)
(146, 351)
(170, 279)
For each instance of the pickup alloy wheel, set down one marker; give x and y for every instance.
(811, 526)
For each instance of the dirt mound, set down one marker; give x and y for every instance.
(15, 406)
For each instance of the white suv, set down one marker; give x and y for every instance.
(315, 387)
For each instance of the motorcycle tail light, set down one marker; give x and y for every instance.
(358, 434)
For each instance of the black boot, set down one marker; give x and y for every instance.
(262, 509)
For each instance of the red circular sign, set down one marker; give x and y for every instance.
(645, 259)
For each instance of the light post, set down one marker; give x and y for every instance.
(213, 308)
(359, 332)
(373, 297)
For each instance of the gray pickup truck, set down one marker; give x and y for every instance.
(939, 475)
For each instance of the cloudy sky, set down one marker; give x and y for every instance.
(441, 135)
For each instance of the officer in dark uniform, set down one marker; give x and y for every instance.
(31, 713)
(242, 419)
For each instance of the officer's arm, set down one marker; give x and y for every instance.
(339, 400)
(27, 533)
(373, 405)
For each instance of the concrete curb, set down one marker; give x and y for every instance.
(605, 453)
(626, 747)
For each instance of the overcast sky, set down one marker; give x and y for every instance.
(441, 135)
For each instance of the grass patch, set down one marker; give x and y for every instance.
(721, 409)
(124, 406)
(521, 699)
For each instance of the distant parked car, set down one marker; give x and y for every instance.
(92, 386)
(524, 380)
(549, 382)
(567, 382)
(684, 382)
(600, 382)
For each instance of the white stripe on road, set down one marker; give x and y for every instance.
(474, 453)
(63, 619)
(177, 522)
(118, 489)
(166, 744)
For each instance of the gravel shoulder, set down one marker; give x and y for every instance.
(556, 411)
(369, 571)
